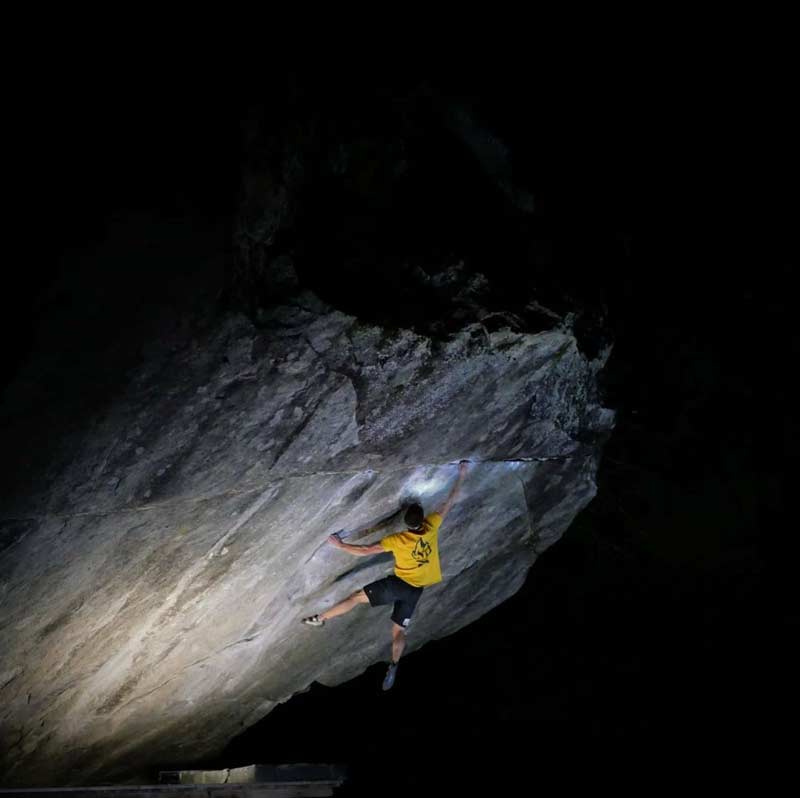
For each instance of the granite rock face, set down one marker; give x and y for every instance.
(152, 579)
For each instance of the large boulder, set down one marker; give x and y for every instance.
(154, 575)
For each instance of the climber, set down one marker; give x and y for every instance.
(416, 557)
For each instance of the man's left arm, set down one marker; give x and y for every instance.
(462, 472)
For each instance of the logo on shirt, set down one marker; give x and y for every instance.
(422, 552)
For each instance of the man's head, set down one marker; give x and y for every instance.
(414, 517)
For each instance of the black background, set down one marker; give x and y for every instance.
(657, 635)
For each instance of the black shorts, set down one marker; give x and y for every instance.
(394, 589)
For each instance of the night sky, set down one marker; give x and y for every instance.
(657, 636)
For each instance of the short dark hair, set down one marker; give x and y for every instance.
(414, 516)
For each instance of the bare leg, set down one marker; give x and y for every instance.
(342, 607)
(398, 642)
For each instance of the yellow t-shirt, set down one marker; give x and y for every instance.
(416, 557)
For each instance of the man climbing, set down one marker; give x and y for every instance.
(416, 557)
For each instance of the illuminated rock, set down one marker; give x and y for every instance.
(153, 582)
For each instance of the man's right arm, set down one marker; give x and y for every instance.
(356, 551)
(451, 499)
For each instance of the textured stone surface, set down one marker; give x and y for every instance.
(153, 578)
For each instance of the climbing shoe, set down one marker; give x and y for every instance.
(314, 620)
(391, 672)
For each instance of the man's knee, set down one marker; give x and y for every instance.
(398, 632)
(360, 597)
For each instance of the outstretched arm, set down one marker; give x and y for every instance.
(356, 551)
(451, 499)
